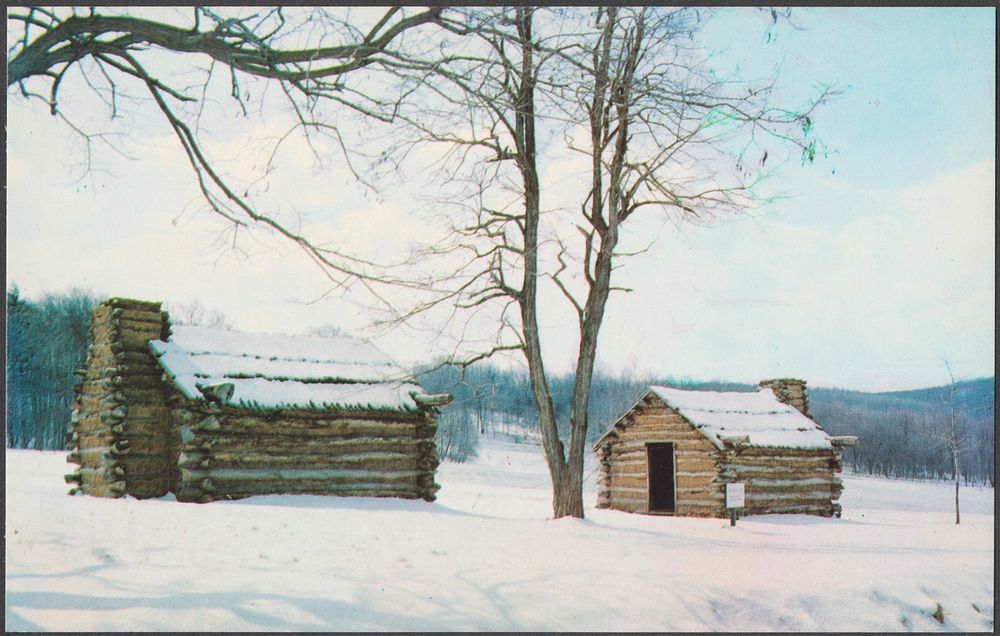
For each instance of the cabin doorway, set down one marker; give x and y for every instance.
(660, 481)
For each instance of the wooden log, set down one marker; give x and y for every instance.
(191, 493)
(88, 439)
(681, 484)
(326, 415)
(428, 463)
(425, 431)
(700, 494)
(698, 481)
(763, 468)
(142, 464)
(100, 356)
(697, 464)
(132, 428)
(318, 425)
(332, 475)
(824, 510)
(240, 489)
(632, 446)
(108, 371)
(633, 441)
(107, 312)
(777, 468)
(137, 323)
(125, 394)
(91, 424)
(219, 392)
(116, 350)
(95, 403)
(628, 481)
(194, 460)
(630, 506)
(768, 453)
(709, 474)
(371, 461)
(628, 492)
(785, 485)
(133, 464)
(657, 417)
(98, 477)
(121, 447)
(108, 492)
(704, 510)
(132, 304)
(102, 388)
(432, 400)
(770, 498)
(426, 481)
(679, 428)
(134, 381)
(286, 445)
(146, 489)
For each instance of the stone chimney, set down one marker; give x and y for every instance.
(789, 391)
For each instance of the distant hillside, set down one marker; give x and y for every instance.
(971, 395)
(897, 429)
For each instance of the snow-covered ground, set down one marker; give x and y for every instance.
(485, 557)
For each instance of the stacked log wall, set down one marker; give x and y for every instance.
(119, 431)
(624, 470)
(787, 481)
(230, 453)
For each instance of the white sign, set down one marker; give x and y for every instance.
(735, 495)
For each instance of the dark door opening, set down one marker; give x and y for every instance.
(660, 460)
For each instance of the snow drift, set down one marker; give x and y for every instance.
(485, 556)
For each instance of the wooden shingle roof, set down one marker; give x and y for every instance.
(271, 371)
(749, 418)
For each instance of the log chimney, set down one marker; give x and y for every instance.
(789, 391)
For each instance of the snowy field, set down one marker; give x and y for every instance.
(484, 557)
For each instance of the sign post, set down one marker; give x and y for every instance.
(735, 498)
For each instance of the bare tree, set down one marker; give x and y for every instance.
(952, 434)
(195, 313)
(503, 91)
(626, 89)
(308, 54)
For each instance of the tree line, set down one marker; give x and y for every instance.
(904, 434)
(901, 432)
(46, 342)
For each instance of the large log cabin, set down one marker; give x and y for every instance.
(214, 414)
(674, 451)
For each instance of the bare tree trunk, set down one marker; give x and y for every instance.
(954, 459)
(567, 494)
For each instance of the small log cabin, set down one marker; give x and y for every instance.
(674, 451)
(214, 414)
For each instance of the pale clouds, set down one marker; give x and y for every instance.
(848, 284)
(875, 303)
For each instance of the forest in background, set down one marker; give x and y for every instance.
(900, 431)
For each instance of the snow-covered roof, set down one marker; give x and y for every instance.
(756, 419)
(269, 371)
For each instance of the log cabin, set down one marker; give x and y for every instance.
(674, 451)
(213, 414)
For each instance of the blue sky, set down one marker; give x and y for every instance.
(919, 84)
(881, 264)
